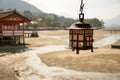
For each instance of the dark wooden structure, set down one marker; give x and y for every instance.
(116, 45)
(12, 27)
(81, 34)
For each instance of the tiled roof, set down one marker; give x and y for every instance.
(4, 14)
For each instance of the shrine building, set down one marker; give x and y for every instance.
(12, 27)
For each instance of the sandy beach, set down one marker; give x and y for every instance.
(48, 57)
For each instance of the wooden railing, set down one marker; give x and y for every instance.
(18, 32)
(10, 33)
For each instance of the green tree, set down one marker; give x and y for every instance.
(94, 22)
(28, 14)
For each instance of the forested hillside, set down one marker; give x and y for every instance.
(42, 19)
(52, 20)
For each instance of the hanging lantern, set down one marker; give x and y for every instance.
(81, 34)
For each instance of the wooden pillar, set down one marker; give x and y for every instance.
(0, 28)
(18, 39)
(1, 33)
(13, 24)
(69, 39)
(72, 39)
(2, 40)
(23, 33)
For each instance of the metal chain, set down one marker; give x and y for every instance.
(81, 15)
(81, 6)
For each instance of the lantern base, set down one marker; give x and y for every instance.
(78, 49)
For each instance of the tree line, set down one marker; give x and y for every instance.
(52, 20)
(47, 20)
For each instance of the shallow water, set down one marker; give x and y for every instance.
(111, 39)
(36, 67)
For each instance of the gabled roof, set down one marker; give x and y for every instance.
(6, 14)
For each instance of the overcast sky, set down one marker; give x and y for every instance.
(102, 9)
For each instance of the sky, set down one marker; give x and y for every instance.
(102, 9)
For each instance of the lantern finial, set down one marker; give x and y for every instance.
(81, 15)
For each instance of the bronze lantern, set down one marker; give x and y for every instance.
(81, 34)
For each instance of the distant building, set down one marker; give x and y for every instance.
(12, 27)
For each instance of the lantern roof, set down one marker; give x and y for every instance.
(80, 25)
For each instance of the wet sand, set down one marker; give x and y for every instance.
(48, 58)
(101, 60)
